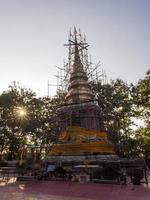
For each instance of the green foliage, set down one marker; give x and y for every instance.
(121, 105)
(36, 127)
(114, 99)
(141, 98)
(142, 143)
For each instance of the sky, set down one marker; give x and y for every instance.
(32, 34)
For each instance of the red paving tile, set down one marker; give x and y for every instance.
(77, 190)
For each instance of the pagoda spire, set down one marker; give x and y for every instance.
(77, 65)
(77, 60)
(79, 89)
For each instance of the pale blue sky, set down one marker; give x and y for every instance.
(32, 34)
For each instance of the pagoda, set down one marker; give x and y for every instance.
(81, 131)
(82, 145)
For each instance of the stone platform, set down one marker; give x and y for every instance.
(82, 158)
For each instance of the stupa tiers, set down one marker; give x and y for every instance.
(81, 130)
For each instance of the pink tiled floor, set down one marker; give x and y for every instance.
(55, 190)
(23, 196)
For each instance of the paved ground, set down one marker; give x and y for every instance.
(56, 190)
(22, 196)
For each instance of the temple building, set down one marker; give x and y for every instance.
(81, 129)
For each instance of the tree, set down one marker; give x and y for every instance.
(141, 110)
(11, 124)
(114, 99)
(142, 139)
(141, 98)
(37, 127)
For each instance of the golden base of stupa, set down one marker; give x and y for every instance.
(76, 141)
